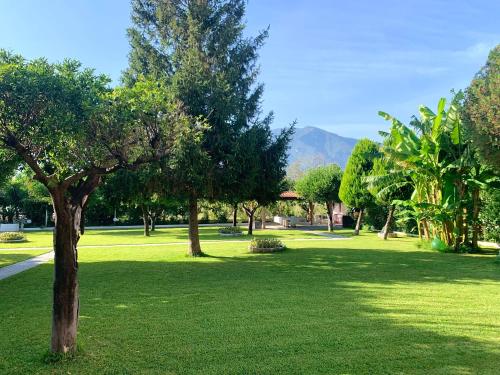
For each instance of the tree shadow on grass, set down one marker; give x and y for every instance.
(313, 310)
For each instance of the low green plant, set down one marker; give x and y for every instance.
(266, 243)
(12, 237)
(230, 230)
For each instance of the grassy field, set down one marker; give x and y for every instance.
(8, 257)
(355, 306)
(136, 236)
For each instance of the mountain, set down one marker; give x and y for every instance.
(312, 147)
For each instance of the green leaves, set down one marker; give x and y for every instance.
(321, 184)
(353, 188)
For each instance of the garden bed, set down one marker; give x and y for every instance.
(12, 237)
(266, 245)
(230, 231)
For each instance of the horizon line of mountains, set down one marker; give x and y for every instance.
(312, 147)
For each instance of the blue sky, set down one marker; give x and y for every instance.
(330, 64)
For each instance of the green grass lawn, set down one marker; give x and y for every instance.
(7, 257)
(136, 236)
(356, 306)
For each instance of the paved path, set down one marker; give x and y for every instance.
(15, 268)
(40, 259)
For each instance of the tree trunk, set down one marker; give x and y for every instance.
(250, 211)
(460, 231)
(65, 308)
(358, 223)
(311, 212)
(329, 210)
(263, 218)
(194, 248)
(153, 221)
(235, 215)
(145, 220)
(388, 223)
(426, 229)
(476, 226)
(250, 222)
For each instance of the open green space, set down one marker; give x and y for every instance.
(160, 235)
(356, 306)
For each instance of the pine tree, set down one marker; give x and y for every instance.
(198, 48)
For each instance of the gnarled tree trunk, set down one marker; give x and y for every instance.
(358, 223)
(194, 247)
(329, 210)
(250, 211)
(65, 308)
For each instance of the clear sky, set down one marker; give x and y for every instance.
(328, 63)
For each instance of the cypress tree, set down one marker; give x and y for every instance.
(353, 188)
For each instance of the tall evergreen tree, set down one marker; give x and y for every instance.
(198, 47)
(353, 188)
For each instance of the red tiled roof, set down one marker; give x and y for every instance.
(289, 195)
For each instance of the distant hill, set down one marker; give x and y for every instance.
(312, 147)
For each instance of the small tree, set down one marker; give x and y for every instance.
(141, 188)
(322, 184)
(260, 168)
(353, 188)
(71, 130)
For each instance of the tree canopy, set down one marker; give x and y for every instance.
(481, 110)
(70, 128)
(321, 185)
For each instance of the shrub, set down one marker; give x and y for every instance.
(12, 237)
(230, 230)
(266, 243)
(490, 220)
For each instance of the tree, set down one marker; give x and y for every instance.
(199, 49)
(322, 185)
(481, 110)
(141, 188)
(353, 188)
(388, 183)
(260, 168)
(71, 130)
(444, 171)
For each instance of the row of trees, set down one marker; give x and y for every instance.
(186, 124)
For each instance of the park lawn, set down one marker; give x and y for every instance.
(7, 257)
(160, 235)
(354, 306)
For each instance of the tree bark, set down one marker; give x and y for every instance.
(65, 308)
(145, 220)
(250, 224)
(194, 247)
(358, 223)
(388, 223)
(329, 210)
(476, 225)
(235, 215)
